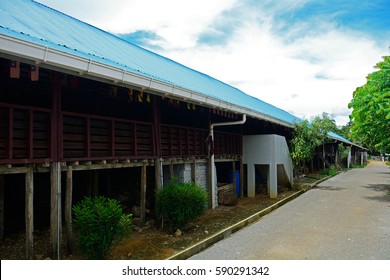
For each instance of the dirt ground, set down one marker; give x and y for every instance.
(153, 243)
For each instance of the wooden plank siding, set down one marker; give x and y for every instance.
(25, 134)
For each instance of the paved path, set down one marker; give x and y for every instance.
(345, 217)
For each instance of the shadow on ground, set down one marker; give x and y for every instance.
(384, 189)
(329, 188)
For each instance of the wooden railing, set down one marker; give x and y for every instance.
(88, 137)
(25, 134)
(182, 141)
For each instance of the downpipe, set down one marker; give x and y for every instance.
(212, 160)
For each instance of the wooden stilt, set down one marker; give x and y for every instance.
(29, 217)
(158, 173)
(143, 194)
(68, 210)
(1, 207)
(159, 183)
(55, 211)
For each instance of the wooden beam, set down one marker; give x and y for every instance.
(143, 194)
(1, 207)
(29, 217)
(55, 210)
(68, 210)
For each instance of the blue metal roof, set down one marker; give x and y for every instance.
(33, 22)
(37, 23)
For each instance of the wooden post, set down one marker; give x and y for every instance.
(1, 207)
(143, 193)
(68, 210)
(158, 173)
(55, 211)
(159, 183)
(29, 217)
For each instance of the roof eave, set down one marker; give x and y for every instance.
(52, 57)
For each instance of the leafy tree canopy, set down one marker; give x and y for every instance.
(371, 109)
(308, 135)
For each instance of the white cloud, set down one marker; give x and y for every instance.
(178, 22)
(320, 70)
(304, 67)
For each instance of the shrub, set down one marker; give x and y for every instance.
(331, 171)
(102, 224)
(181, 203)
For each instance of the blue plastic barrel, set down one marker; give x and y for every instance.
(237, 180)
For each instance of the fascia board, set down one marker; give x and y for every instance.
(44, 55)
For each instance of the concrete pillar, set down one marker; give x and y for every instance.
(251, 180)
(349, 159)
(272, 181)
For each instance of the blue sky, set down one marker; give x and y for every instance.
(304, 56)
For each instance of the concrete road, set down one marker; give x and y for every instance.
(345, 217)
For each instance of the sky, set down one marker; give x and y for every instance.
(303, 56)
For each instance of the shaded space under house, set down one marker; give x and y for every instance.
(85, 113)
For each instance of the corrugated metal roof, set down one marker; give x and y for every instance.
(34, 22)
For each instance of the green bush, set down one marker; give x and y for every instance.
(102, 224)
(331, 171)
(181, 203)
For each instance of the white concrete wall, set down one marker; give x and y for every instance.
(271, 150)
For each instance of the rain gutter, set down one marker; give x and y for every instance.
(59, 60)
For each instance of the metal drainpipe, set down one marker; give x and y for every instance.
(213, 205)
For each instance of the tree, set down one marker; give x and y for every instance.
(371, 109)
(345, 130)
(307, 136)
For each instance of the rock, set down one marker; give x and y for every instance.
(150, 223)
(206, 232)
(146, 227)
(178, 233)
(39, 257)
(139, 229)
(136, 221)
(228, 199)
(136, 211)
